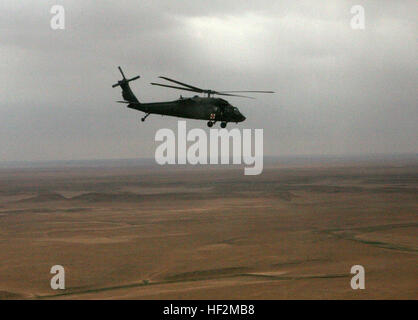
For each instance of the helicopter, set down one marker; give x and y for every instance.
(208, 108)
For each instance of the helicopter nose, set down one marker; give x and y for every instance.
(243, 118)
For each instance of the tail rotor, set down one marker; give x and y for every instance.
(127, 93)
(124, 80)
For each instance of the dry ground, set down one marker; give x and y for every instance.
(159, 233)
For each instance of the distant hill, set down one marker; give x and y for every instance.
(44, 197)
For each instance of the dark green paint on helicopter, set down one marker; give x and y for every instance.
(201, 108)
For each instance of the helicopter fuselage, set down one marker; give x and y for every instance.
(202, 108)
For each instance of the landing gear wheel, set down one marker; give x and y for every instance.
(210, 124)
(223, 124)
(144, 117)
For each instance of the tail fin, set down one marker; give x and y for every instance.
(127, 93)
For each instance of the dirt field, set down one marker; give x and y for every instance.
(165, 233)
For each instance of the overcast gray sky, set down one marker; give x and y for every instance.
(339, 90)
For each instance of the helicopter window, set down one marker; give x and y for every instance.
(236, 110)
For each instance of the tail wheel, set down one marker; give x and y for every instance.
(223, 124)
(210, 124)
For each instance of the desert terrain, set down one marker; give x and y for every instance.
(150, 232)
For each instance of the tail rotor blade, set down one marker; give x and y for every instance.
(124, 80)
(134, 78)
(120, 69)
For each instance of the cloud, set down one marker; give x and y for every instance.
(339, 91)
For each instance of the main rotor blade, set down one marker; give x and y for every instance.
(255, 91)
(174, 87)
(183, 84)
(120, 69)
(231, 95)
(209, 92)
(212, 92)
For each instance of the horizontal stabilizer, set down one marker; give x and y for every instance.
(127, 102)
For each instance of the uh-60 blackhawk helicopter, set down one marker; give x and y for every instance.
(203, 108)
